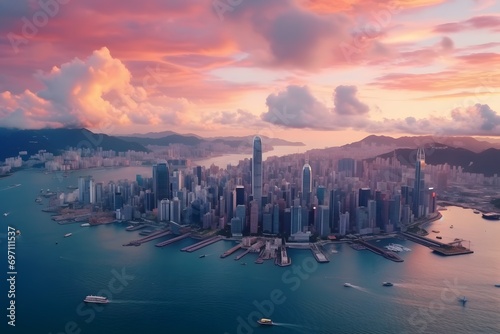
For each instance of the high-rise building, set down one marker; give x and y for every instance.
(344, 223)
(320, 193)
(296, 219)
(254, 217)
(322, 223)
(164, 210)
(306, 182)
(257, 172)
(161, 182)
(364, 196)
(175, 210)
(419, 185)
(85, 187)
(236, 226)
(241, 214)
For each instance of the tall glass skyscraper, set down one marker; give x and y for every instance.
(257, 172)
(419, 182)
(161, 182)
(306, 182)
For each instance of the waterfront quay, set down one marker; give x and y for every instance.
(318, 254)
(202, 244)
(232, 250)
(445, 249)
(171, 241)
(155, 235)
(377, 250)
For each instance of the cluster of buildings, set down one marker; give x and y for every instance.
(287, 196)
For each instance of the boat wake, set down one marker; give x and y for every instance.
(357, 287)
(148, 302)
(285, 324)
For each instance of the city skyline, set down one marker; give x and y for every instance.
(354, 68)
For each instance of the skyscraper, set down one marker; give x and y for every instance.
(419, 182)
(257, 171)
(161, 182)
(306, 182)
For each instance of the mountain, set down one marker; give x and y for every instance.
(193, 140)
(55, 140)
(157, 135)
(469, 143)
(485, 162)
(165, 141)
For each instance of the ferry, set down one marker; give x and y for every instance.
(387, 284)
(96, 299)
(348, 285)
(435, 231)
(491, 216)
(85, 225)
(439, 237)
(68, 235)
(202, 256)
(265, 322)
(6, 214)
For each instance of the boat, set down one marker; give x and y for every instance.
(18, 232)
(439, 237)
(85, 225)
(96, 299)
(497, 285)
(348, 285)
(68, 235)
(387, 284)
(201, 256)
(491, 216)
(436, 231)
(265, 322)
(451, 226)
(476, 212)
(6, 214)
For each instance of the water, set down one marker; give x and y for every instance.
(233, 159)
(165, 290)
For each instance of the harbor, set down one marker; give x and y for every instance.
(171, 241)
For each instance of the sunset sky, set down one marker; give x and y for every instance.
(319, 71)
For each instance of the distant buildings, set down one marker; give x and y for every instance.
(257, 172)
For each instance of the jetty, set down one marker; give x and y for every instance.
(202, 244)
(155, 235)
(318, 254)
(171, 241)
(379, 251)
(446, 249)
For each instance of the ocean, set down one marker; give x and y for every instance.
(164, 290)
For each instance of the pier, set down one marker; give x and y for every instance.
(231, 251)
(445, 249)
(153, 236)
(242, 254)
(202, 244)
(318, 254)
(377, 250)
(171, 241)
(136, 227)
(283, 260)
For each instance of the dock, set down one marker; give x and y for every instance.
(231, 250)
(377, 250)
(445, 249)
(171, 241)
(318, 254)
(283, 260)
(150, 237)
(242, 254)
(202, 244)
(135, 227)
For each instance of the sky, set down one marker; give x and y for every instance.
(318, 71)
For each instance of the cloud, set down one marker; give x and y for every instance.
(296, 107)
(95, 92)
(346, 102)
(476, 22)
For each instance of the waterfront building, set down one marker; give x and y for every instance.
(254, 217)
(236, 227)
(322, 223)
(164, 210)
(344, 223)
